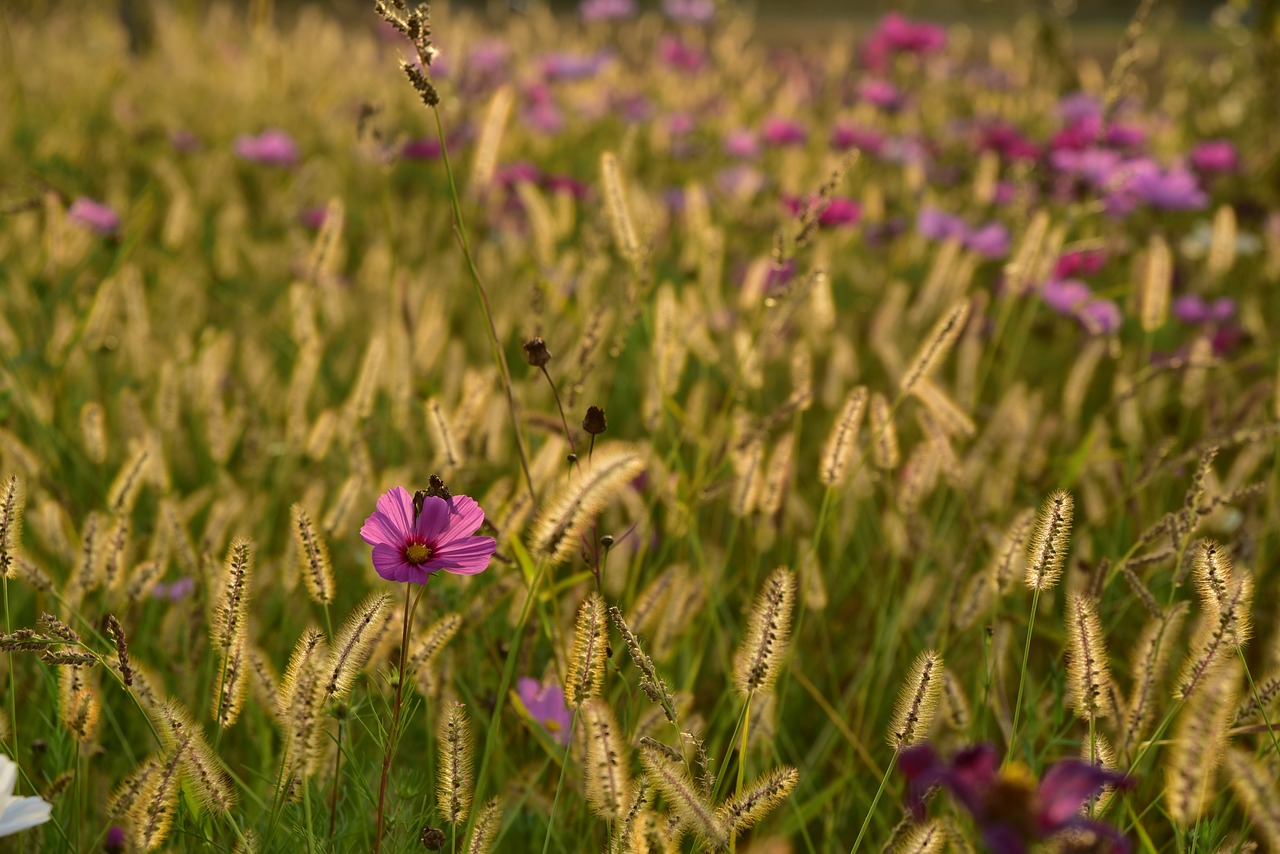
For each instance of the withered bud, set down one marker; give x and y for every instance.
(433, 838)
(535, 350)
(436, 487)
(607, 541)
(594, 423)
(418, 498)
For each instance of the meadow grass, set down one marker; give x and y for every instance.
(758, 371)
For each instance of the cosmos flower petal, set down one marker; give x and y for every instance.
(465, 518)
(390, 563)
(397, 505)
(471, 555)
(1067, 785)
(433, 521)
(379, 528)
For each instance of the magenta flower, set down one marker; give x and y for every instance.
(409, 547)
(1215, 155)
(606, 10)
(94, 216)
(689, 11)
(271, 148)
(546, 706)
(742, 144)
(1010, 808)
(779, 131)
(990, 241)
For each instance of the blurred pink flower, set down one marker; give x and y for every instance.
(844, 137)
(742, 144)
(546, 706)
(897, 34)
(409, 545)
(779, 131)
(606, 10)
(990, 241)
(689, 11)
(1215, 155)
(271, 147)
(95, 216)
(675, 53)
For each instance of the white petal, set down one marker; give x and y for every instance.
(24, 813)
(8, 775)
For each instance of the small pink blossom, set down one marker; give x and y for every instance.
(95, 216)
(546, 705)
(409, 548)
(271, 148)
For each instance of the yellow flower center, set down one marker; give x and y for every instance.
(417, 553)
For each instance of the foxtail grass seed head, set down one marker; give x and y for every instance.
(484, 833)
(1157, 281)
(884, 450)
(151, 816)
(1222, 243)
(13, 501)
(617, 211)
(1048, 547)
(1255, 786)
(757, 800)
(200, 767)
(1199, 740)
(917, 702)
(455, 784)
(668, 775)
(93, 432)
(354, 645)
(937, 345)
(605, 771)
(1088, 673)
(78, 704)
(569, 513)
(928, 838)
(448, 452)
(231, 608)
(764, 646)
(587, 657)
(313, 557)
(842, 441)
(123, 493)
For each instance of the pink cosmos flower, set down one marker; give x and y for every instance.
(95, 216)
(546, 705)
(409, 548)
(271, 147)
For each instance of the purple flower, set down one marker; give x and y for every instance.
(606, 10)
(1085, 262)
(689, 11)
(1191, 309)
(844, 137)
(838, 210)
(896, 34)
(546, 706)
(990, 241)
(779, 131)
(880, 93)
(742, 144)
(1215, 155)
(1008, 142)
(1174, 189)
(409, 545)
(566, 184)
(1079, 106)
(174, 591)
(674, 53)
(271, 148)
(1066, 296)
(1009, 808)
(937, 224)
(569, 66)
(95, 216)
(426, 148)
(1100, 317)
(116, 842)
(1126, 136)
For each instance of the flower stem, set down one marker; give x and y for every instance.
(551, 819)
(866, 822)
(13, 703)
(498, 356)
(1022, 677)
(337, 779)
(394, 733)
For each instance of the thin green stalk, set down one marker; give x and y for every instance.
(483, 296)
(306, 811)
(866, 822)
(410, 603)
(13, 702)
(1022, 677)
(564, 766)
(742, 757)
(1257, 698)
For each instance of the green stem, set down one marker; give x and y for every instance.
(410, 602)
(742, 757)
(1257, 698)
(306, 811)
(1022, 677)
(866, 822)
(13, 702)
(564, 766)
(483, 296)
